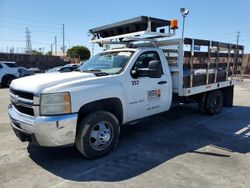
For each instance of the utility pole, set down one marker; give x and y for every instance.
(63, 41)
(28, 41)
(237, 38)
(51, 49)
(55, 45)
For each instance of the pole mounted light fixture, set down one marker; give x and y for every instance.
(184, 13)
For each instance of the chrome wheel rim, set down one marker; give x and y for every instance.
(101, 135)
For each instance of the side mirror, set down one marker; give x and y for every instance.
(155, 69)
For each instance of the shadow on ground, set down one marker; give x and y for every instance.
(148, 144)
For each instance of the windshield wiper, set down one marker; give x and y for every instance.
(97, 72)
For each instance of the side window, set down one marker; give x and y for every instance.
(141, 67)
(11, 65)
(144, 59)
(1, 66)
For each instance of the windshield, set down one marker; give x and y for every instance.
(107, 62)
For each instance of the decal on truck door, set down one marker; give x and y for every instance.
(154, 95)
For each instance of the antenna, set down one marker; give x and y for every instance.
(28, 41)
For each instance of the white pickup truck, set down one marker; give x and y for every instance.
(143, 77)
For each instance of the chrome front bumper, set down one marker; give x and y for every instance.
(44, 130)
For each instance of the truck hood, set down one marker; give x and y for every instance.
(39, 82)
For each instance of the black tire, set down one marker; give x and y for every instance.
(7, 80)
(202, 103)
(214, 102)
(88, 135)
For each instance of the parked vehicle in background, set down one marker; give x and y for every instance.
(65, 68)
(35, 70)
(25, 72)
(8, 72)
(146, 76)
(55, 69)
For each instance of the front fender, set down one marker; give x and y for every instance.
(94, 92)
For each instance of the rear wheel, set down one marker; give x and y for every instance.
(214, 102)
(97, 134)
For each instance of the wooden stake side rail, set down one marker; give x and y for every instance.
(200, 42)
(203, 69)
(224, 58)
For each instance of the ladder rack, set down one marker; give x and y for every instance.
(141, 28)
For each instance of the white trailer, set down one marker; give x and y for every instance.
(144, 76)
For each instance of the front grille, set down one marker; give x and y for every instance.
(22, 101)
(24, 110)
(22, 94)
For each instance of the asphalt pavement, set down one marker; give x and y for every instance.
(179, 148)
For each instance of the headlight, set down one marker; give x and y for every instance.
(55, 104)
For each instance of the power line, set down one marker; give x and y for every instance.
(33, 30)
(28, 24)
(23, 41)
(31, 20)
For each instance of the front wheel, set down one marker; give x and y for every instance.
(7, 80)
(97, 134)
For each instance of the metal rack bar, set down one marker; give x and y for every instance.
(191, 63)
(234, 60)
(228, 60)
(242, 51)
(216, 63)
(180, 65)
(208, 63)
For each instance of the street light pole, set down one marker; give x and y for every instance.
(184, 13)
(63, 41)
(183, 26)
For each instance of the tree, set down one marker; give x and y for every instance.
(81, 52)
(34, 52)
(48, 53)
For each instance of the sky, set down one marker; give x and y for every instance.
(208, 19)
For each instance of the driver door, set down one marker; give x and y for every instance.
(146, 96)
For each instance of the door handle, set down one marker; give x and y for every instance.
(162, 82)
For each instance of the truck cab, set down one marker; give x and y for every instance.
(142, 77)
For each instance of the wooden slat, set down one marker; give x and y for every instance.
(213, 54)
(201, 42)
